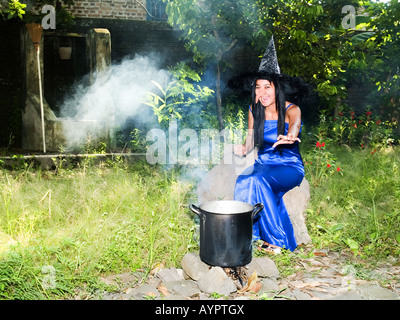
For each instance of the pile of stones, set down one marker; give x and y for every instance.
(323, 276)
(198, 281)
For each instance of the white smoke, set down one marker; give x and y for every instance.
(114, 96)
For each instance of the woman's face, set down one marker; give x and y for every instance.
(265, 92)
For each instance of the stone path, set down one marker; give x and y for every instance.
(325, 276)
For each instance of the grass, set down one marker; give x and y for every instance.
(358, 207)
(61, 230)
(82, 223)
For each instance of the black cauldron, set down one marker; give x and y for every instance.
(226, 232)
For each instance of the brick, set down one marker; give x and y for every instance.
(118, 9)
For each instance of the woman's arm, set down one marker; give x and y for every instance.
(240, 149)
(293, 115)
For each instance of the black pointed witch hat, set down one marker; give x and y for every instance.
(269, 62)
(295, 89)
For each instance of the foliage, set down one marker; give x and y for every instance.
(236, 123)
(211, 29)
(15, 9)
(180, 98)
(317, 49)
(320, 163)
(387, 43)
(311, 43)
(364, 132)
(137, 141)
(353, 130)
(64, 18)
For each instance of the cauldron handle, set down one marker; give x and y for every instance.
(256, 209)
(196, 210)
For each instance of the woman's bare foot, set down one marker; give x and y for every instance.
(270, 248)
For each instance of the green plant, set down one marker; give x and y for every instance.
(320, 164)
(15, 9)
(361, 130)
(271, 295)
(137, 141)
(179, 98)
(64, 18)
(236, 123)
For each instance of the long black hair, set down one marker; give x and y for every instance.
(259, 110)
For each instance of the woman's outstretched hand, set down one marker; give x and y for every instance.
(289, 139)
(239, 150)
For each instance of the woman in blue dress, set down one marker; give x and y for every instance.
(274, 128)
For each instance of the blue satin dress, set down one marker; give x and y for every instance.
(272, 175)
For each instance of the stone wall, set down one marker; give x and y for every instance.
(128, 38)
(11, 91)
(133, 37)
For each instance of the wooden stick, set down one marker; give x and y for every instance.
(41, 102)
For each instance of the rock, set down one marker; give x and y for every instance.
(269, 285)
(125, 279)
(298, 295)
(171, 274)
(370, 291)
(193, 266)
(216, 280)
(219, 184)
(296, 201)
(185, 288)
(174, 297)
(264, 267)
(141, 292)
(347, 295)
(269, 288)
(314, 281)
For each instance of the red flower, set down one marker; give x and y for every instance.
(378, 122)
(368, 113)
(362, 146)
(337, 169)
(323, 144)
(328, 165)
(341, 114)
(318, 145)
(355, 125)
